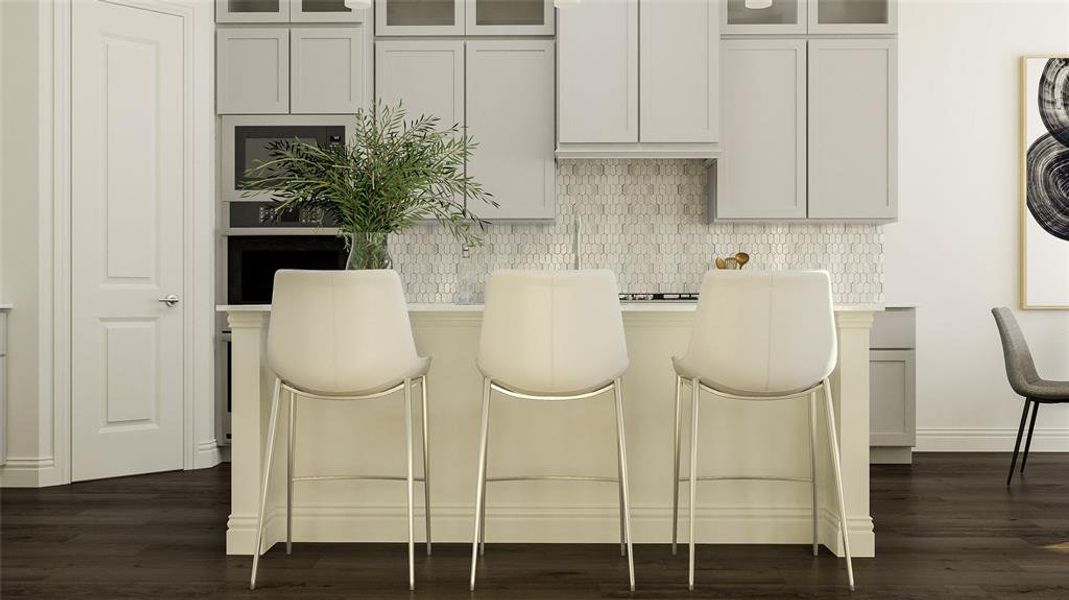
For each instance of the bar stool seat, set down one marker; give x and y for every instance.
(552, 336)
(760, 336)
(342, 336)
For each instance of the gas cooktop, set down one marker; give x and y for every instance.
(660, 297)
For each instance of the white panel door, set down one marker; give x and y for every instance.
(762, 172)
(426, 75)
(852, 129)
(252, 71)
(679, 71)
(598, 71)
(510, 115)
(128, 188)
(330, 69)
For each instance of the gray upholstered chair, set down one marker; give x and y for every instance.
(1025, 380)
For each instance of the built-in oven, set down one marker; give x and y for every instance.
(246, 143)
(251, 263)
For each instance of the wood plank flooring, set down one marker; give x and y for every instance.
(947, 527)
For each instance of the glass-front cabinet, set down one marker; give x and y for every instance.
(252, 11)
(463, 17)
(852, 16)
(763, 16)
(793, 17)
(290, 11)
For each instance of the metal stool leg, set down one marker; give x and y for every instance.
(291, 447)
(480, 483)
(482, 513)
(813, 467)
(676, 434)
(622, 443)
(693, 474)
(838, 475)
(272, 425)
(623, 507)
(411, 512)
(426, 465)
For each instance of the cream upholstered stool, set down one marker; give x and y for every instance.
(342, 335)
(761, 336)
(552, 336)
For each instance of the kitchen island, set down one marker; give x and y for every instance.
(536, 438)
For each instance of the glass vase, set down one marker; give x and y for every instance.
(368, 250)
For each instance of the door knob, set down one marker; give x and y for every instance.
(169, 300)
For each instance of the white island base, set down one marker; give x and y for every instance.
(542, 438)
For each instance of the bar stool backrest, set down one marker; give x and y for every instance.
(547, 332)
(340, 332)
(763, 332)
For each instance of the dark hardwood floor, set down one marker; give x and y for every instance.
(947, 527)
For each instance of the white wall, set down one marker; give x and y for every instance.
(955, 251)
(29, 446)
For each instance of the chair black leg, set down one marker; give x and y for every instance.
(1017, 446)
(1028, 441)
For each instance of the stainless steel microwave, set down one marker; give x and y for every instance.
(245, 140)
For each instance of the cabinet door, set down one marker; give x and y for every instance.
(853, 16)
(419, 17)
(252, 11)
(762, 172)
(426, 75)
(327, 11)
(893, 398)
(852, 129)
(598, 71)
(510, 114)
(509, 17)
(331, 69)
(680, 71)
(252, 71)
(779, 17)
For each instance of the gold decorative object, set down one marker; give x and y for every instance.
(731, 263)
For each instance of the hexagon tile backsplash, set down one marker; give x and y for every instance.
(645, 220)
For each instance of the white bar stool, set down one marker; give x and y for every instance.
(761, 336)
(342, 335)
(552, 336)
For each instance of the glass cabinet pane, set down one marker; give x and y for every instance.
(852, 12)
(324, 6)
(510, 12)
(420, 12)
(781, 12)
(253, 6)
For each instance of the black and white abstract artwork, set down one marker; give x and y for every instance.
(1045, 125)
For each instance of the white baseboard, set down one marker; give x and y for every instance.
(650, 525)
(207, 455)
(988, 439)
(28, 472)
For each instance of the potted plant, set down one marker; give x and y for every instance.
(390, 175)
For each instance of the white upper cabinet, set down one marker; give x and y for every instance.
(426, 75)
(853, 16)
(327, 11)
(852, 129)
(419, 17)
(604, 63)
(252, 11)
(598, 72)
(762, 173)
(510, 108)
(252, 70)
(779, 17)
(679, 62)
(510, 17)
(331, 69)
